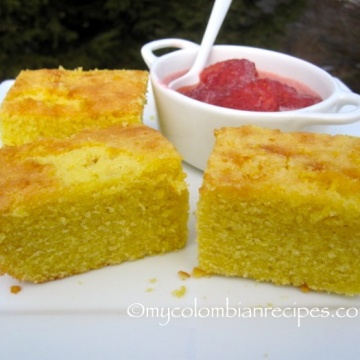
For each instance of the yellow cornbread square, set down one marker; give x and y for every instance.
(282, 207)
(59, 102)
(97, 198)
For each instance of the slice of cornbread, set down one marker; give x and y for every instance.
(97, 198)
(282, 207)
(58, 102)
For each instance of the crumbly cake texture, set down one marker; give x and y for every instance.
(58, 102)
(97, 198)
(283, 208)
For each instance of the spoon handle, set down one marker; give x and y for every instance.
(217, 16)
(218, 13)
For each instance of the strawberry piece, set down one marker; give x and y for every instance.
(229, 74)
(303, 101)
(258, 95)
(203, 94)
(290, 99)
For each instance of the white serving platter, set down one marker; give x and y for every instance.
(129, 311)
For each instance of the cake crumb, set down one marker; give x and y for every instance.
(183, 275)
(304, 288)
(149, 289)
(153, 280)
(179, 292)
(15, 289)
(198, 273)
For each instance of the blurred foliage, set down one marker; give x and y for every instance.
(110, 33)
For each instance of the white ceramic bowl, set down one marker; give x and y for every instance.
(189, 124)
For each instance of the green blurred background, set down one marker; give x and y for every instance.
(110, 33)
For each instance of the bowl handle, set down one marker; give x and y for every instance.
(347, 112)
(147, 51)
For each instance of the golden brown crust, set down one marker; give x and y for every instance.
(27, 171)
(297, 161)
(60, 92)
(59, 102)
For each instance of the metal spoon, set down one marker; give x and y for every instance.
(216, 19)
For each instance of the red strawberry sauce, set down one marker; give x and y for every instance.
(237, 84)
